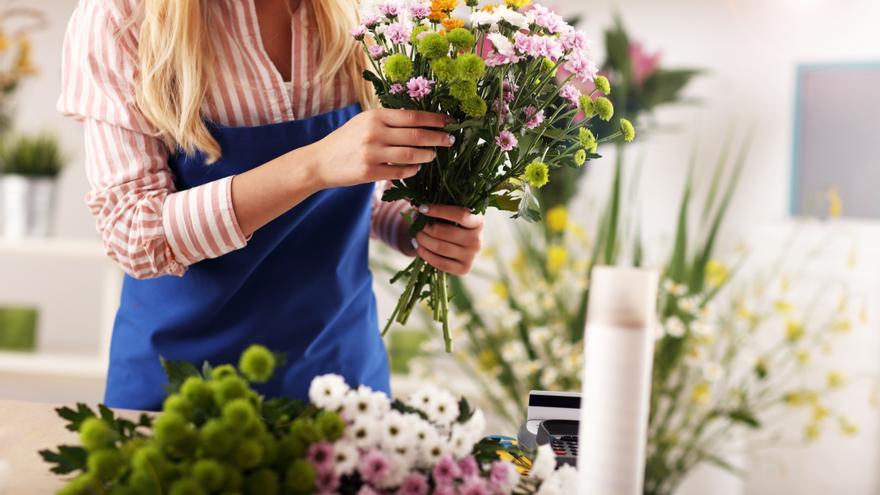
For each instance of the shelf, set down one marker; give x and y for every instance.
(77, 248)
(67, 365)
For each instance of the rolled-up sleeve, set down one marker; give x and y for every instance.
(146, 225)
(387, 220)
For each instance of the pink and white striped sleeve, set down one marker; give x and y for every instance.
(388, 224)
(146, 225)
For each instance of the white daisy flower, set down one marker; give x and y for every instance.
(675, 327)
(395, 431)
(711, 372)
(444, 408)
(461, 441)
(423, 398)
(359, 402)
(544, 464)
(511, 17)
(484, 18)
(433, 449)
(363, 432)
(328, 391)
(345, 458)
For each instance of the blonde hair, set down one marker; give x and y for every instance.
(175, 59)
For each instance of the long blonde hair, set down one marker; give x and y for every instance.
(176, 60)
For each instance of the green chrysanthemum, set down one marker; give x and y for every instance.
(586, 138)
(470, 66)
(462, 89)
(239, 414)
(300, 476)
(257, 364)
(585, 103)
(209, 474)
(414, 37)
(149, 459)
(95, 434)
(398, 67)
(331, 425)
(179, 404)
(216, 438)
(444, 69)
(580, 157)
(198, 392)
(305, 430)
(174, 434)
(537, 174)
(264, 481)
(249, 454)
(627, 129)
(223, 371)
(474, 106)
(106, 464)
(604, 108)
(433, 45)
(461, 39)
(229, 388)
(186, 486)
(602, 84)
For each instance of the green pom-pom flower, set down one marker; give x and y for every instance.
(550, 66)
(585, 103)
(461, 39)
(95, 434)
(604, 108)
(150, 460)
(223, 371)
(414, 37)
(233, 479)
(586, 138)
(239, 414)
(106, 464)
(300, 477)
(84, 484)
(263, 481)
(462, 89)
(602, 84)
(433, 45)
(143, 482)
(229, 388)
(249, 454)
(398, 67)
(444, 69)
(198, 392)
(627, 129)
(209, 474)
(470, 66)
(580, 157)
(473, 106)
(305, 430)
(216, 438)
(175, 435)
(537, 174)
(331, 426)
(186, 486)
(257, 364)
(178, 404)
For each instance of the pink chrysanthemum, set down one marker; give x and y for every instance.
(534, 118)
(374, 467)
(398, 32)
(358, 32)
(509, 89)
(390, 9)
(575, 40)
(395, 88)
(582, 67)
(419, 87)
(420, 10)
(371, 20)
(376, 52)
(468, 467)
(414, 484)
(474, 486)
(506, 140)
(547, 19)
(522, 42)
(367, 490)
(321, 456)
(326, 482)
(445, 471)
(570, 93)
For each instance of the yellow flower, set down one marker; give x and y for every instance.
(702, 394)
(716, 273)
(4, 42)
(847, 427)
(811, 396)
(794, 399)
(437, 15)
(835, 203)
(820, 412)
(517, 4)
(444, 5)
(556, 257)
(835, 379)
(812, 432)
(487, 359)
(794, 330)
(842, 325)
(802, 356)
(500, 289)
(783, 306)
(557, 219)
(490, 8)
(451, 23)
(519, 263)
(23, 63)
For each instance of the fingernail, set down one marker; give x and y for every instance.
(451, 139)
(415, 243)
(423, 209)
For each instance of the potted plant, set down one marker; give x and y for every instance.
(30, 165)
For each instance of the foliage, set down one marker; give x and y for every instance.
(33, 156)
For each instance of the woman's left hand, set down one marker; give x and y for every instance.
(449, 248)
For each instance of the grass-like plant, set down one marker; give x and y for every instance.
(32, 156)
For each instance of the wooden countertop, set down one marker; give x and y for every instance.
(25, 428)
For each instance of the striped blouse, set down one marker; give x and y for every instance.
(146, 225)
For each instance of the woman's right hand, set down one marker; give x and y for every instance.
(376, 145)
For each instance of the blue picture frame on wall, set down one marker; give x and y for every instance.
(836, 139)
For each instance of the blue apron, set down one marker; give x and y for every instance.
(301, 286)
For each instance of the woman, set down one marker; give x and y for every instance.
(232, 176)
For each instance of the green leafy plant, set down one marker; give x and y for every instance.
(32, 156)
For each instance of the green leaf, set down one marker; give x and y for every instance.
(75, 417)
(528, 209)
(66, 460)
(395, 193)
(745, 417)
(664, 85)
(617, 46)
(470, 123)
(677, 265)
(504, 202)
(177, 372)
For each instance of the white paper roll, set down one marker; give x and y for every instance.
(618, 355)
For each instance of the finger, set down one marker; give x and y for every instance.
(444, 248)
(469, 238)
(412, 118)
(414, 136)
(406, 155)
(439, 262)
(456, 214)
(391, 172)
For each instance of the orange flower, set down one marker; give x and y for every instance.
(444, 5)
(437, 15)
(451, 23)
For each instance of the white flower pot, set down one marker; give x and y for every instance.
(28, 206)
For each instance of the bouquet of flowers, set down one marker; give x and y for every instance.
(216, 434)
(495, 74)
(16, 53)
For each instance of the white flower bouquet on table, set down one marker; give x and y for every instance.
(495, 75)
(215, 434)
